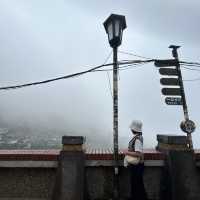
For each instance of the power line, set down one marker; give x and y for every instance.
(192, 64)
(109, 84)
(53, 79)
(135, 61)
(72, 75)
(188, 68)
(121, 68)
(131, 54)
(107, 58)
(108, 75)
(192, 69)
(191, 80)
(125, 65)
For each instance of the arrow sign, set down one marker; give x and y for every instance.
(166, 63)
(168, 71)
(171, 91)
(169, 81)
(173, 101)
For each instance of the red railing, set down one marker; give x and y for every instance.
(91, 154)
(52, 155)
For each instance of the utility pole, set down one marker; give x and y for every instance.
(115, 122)
(168, 68)
(185, 109)
(114, 26)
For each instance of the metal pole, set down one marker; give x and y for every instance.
(185, 109)
(115, 122)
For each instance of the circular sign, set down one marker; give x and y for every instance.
(188, 126)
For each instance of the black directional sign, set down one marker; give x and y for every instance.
(173, 101)
(166, 63)
(169, 81)
(171, 91)
(168, 71)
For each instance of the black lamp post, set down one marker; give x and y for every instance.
(114, 26)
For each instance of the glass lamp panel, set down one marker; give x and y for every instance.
(110, 31)
(117, 28)
(121, 33)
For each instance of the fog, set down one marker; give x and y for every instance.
(46, 39)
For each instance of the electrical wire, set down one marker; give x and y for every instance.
(120, 68)
(53, 79)
(192, 64)
(191, 80)
(108, 75)
(109, 83)
(126, 67)
(192, 69)
(107, 58)
(188, 68)
(189, 65)
(72, 75)
(131, 54)
(135, 61)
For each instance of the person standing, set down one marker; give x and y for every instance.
(136, 167)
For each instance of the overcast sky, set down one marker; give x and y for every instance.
(45, 39)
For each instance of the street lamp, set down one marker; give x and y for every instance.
(114, 26)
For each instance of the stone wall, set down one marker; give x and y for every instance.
(38, 183)
(99, 182)
(26, 183)
(31, 175)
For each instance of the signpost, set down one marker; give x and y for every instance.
(169, 81)
(165, 63)
(171, 67)
(173, 101)
(171, 91)
(168, 71)
(188, 126)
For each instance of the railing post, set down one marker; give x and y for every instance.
(181, 176)
(70, 172)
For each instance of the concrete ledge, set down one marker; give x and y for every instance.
(98, 163)
(29, 164)
(54, 164)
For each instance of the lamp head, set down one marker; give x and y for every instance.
(114, 26)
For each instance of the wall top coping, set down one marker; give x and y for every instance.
(72, 140)
(172, 139)
(91, 154)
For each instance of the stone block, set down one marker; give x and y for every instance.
(172, 139)
(70, 176)
(172, 142)
(73, 140)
